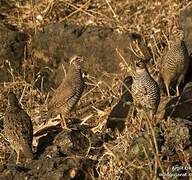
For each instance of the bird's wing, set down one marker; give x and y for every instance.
(17, 124)
(63, 101)
(62, 95)
(26, 125)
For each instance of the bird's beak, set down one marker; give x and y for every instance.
(82, 59)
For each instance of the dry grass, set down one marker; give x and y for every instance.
(156, 20)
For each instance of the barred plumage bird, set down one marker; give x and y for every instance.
(145, 90)
(175, 63)
(69, 92)
(18, 128)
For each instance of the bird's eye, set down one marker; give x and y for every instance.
(140, 64)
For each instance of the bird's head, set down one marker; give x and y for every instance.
(76, 61)
(177, 35)
(12, 99)
(140, 66)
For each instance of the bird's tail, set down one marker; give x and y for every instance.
(42, 118)
(27, 152)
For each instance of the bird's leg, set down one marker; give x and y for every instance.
(151, 115)
(177, 90)
(181, 78)
(12, 154)
(167, 89)
(18, 156)
(63, 122)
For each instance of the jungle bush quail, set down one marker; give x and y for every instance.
(18, 128)
(145, 90)
(175, 63)
(69, 92)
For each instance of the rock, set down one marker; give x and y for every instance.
(12, 44)
(180, 107)
(60, 155)
(79, 141)
(176, 137)
(6, 7)
(185, 22)
(58, 42)
(2, 167)
(138, 148)
(53, 169)
(141, 146)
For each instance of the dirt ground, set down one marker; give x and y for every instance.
(106, 141)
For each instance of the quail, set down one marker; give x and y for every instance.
(18, 128)
(175, 63)
(69, 91)
(145, 90)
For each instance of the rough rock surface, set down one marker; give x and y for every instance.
(60, 154)
(58, 42)
(12, 45)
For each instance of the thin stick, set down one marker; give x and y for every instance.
(118, 52)
(23, 92)
(113, 12)
(76, 11)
